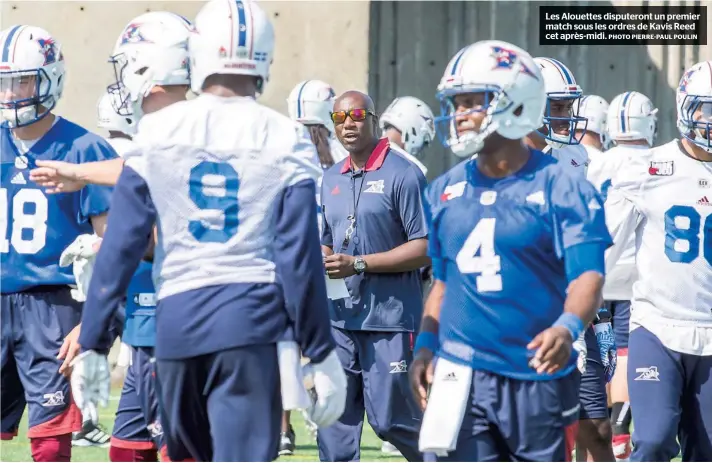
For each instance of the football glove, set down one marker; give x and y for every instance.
(328, 391)
(91, 383)
(607, 347)
(81, 253)
(580, 348)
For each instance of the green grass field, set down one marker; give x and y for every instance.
(19, 448)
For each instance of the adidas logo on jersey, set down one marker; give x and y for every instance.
(450, 377)
(18, 179)
(704, 201)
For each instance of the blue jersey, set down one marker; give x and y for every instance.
(36, 228)
(499, 246)
(140, 325)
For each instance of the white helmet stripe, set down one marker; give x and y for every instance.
(564, 74)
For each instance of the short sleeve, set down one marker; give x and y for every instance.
(409, 201)
(578, 214)
(94, 200)
(302, 161)
(434, 249)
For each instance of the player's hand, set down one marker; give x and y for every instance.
(91, 383)
(329, 382)
(57, 176)
(553, 349)
(421, 373)
(69, 350)
(339, 266)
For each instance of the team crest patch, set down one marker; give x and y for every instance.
(453, 191)
(661, 168)
(375, 187)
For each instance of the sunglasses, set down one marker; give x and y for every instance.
(356, 115)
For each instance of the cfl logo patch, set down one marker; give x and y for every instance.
(53, 399)
(399, 367)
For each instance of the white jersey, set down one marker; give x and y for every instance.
(601, 172)
(121, 145)
(215, 168)
(400, 151)
(664, 197)
(574, 157)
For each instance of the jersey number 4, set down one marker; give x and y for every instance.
(675, 235)
(29, 221)
(213, 186)
(487, 264)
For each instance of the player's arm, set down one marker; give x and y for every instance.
(67, 177)
(426, 345)
(413, 254)
(581, 241)
(131, 218)
(622, 220)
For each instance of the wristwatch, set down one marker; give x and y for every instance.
(359, 265)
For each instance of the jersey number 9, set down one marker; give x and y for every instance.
(675, 235)
(29, 221)
(213, 186)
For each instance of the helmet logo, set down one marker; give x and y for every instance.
(506, 58)
(48, 49)
(132, 34)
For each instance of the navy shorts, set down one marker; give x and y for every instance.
(34, 325)
(224, 406)
(621, 323)
(594, 401)
(137, 425)
(513, 420)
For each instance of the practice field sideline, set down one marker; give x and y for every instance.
(19, 448)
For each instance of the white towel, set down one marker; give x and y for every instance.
(447, 403)
(294, 394)
(82, 254)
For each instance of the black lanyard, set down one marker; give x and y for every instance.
(356, 199)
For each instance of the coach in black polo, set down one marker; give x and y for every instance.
(375, 237)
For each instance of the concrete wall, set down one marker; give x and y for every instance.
(314, 41)
(413, 42)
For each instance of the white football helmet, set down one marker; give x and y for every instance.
(413, 119)
(694, 105)
(31, 75)
(311, 103)
(632, 116)
(561, 86)
(509, 78)
(595, 109)
(109, 119)
(151, 50)
(231, 37)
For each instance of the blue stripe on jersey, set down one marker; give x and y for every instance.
(623, 104)
(299, 98)
(242, 26)
(8, 41)
(457, 61)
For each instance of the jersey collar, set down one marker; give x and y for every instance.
(375, 160)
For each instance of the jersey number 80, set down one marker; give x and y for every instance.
(674, 234)
(29, 221)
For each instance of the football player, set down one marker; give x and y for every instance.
(632, 124)
(408, 123)
(517, 242)
(662, 196)
(120, 127)
(310, 103)
(226, 179)
(594, 137)
(38, 311)
(561, 136)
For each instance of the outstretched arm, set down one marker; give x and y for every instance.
(67, 177)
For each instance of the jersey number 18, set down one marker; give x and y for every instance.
(29, 221)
